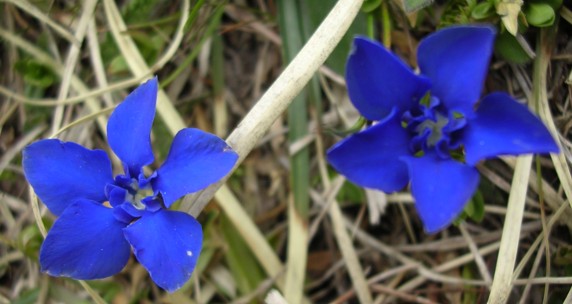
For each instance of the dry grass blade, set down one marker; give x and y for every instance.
(502, 280)
(478, 258)
(568, 299)
(348, 252)
(81, 120)
(71, 60)
(34, 11)
(50, 102)
(36, 211)
(274, 297)
(297, 255)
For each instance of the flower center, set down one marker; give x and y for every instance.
(132, 197)
(135, 194)
(433, 127)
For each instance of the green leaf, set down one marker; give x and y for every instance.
(139, 10)
(476, 207)
(358, 125)
(350, 194)
(118, 65)
(29, 240)
(35, 73)
(508, 48)
(555, 4)
(456, 12)
(483, 10)
(370, 5)
(539, 14)
(150, 44)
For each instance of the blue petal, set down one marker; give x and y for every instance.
(441, 189)
(85, 243)
(115, 194)
(167, 244)
(61, 172)
(152, 204)
(456, 60)
(127, 213)
(503, 126)
(129, 127)
(196, 160)
(378, 81)
(370, 158)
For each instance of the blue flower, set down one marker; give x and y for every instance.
(427, 130)
(101, 218)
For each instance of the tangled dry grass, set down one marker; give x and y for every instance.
(65, 64)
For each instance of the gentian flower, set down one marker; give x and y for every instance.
(430, 128)
(101, 218)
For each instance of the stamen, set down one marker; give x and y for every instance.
(137, 199)
(133, 191)
(435, 128)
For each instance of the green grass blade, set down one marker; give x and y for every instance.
(290, 16)
(292, 37)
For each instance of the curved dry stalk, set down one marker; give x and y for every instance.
(71, 60)
(97, 61)
(82, 96)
